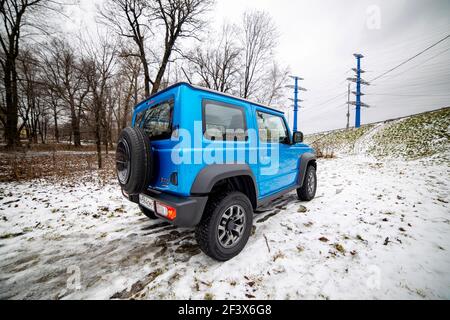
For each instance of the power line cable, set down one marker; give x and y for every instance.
(388, 71)
(421, 64)
(407, 95)
(409, 59)
(329, 100)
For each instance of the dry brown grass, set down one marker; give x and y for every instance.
(22, 166)
(50, 147)
(326, 152)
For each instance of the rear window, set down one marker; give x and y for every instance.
(157, 120)
(223, 122)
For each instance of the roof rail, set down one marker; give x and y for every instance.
(207, 90)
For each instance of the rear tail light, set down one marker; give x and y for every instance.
(166, 211)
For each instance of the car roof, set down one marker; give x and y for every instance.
(208, 90)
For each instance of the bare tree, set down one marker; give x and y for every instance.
(99, 65)
(55, 105)
(259, 38)
(180, 19)
(63, 74)
(138, 19)
(129, 18)
(31, 105)
(17, 16)
(126, 93)
(273, 85)
(217, 64)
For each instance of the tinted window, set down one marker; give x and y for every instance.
(271, 128)
(157, 121)
(223, 122)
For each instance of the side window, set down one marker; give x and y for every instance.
(139, 117)
(223, 122)
(157, 121)
(271, 128)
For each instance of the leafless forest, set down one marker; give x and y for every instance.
(76, 90)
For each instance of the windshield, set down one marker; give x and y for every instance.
(157, 120)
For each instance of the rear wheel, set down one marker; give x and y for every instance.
(307, 191)
(150, 214)
(226, 226)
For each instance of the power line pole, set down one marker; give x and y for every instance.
(358, 93)
(348, 106)
(296, 100)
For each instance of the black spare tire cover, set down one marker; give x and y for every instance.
(134, 160)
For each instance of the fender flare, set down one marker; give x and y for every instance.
(210, 175)
(305, 160)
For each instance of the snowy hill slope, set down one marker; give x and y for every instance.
(413, 137)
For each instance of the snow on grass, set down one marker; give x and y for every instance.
(413, 137)
(377, 229)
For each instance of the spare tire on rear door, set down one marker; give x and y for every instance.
(134, 160)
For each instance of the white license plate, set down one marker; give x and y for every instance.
(147, 202)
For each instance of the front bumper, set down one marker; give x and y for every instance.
(189, 209)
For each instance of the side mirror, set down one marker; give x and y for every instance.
(298, 137)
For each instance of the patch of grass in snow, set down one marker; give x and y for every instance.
(278, 255)
(11, 235)
(414, 137)
(327, 144)
(339, 248)
(209, 296)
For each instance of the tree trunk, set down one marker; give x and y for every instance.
(75, 124)
(98, 138)
(55, 119)
(146, 71)
(10, 80)
(162, 69)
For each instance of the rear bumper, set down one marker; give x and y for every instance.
(189, 209)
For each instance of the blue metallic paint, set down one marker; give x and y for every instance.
(188, 110)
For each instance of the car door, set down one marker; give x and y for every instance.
(278, 161)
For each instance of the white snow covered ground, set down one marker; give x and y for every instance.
(378, 229)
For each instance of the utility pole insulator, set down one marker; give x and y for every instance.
(362, 81)
(362, 104)
(356, 70)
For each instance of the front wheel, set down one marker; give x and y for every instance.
(307, 191)
(225, 226)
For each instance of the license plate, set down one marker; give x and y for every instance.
(147, 202)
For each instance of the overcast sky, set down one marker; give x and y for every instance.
(318, 39)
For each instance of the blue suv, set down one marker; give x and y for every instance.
(199, 158)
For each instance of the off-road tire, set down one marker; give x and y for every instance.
(206, 232)
(140, 159)
(150, 214)
(307, 191)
